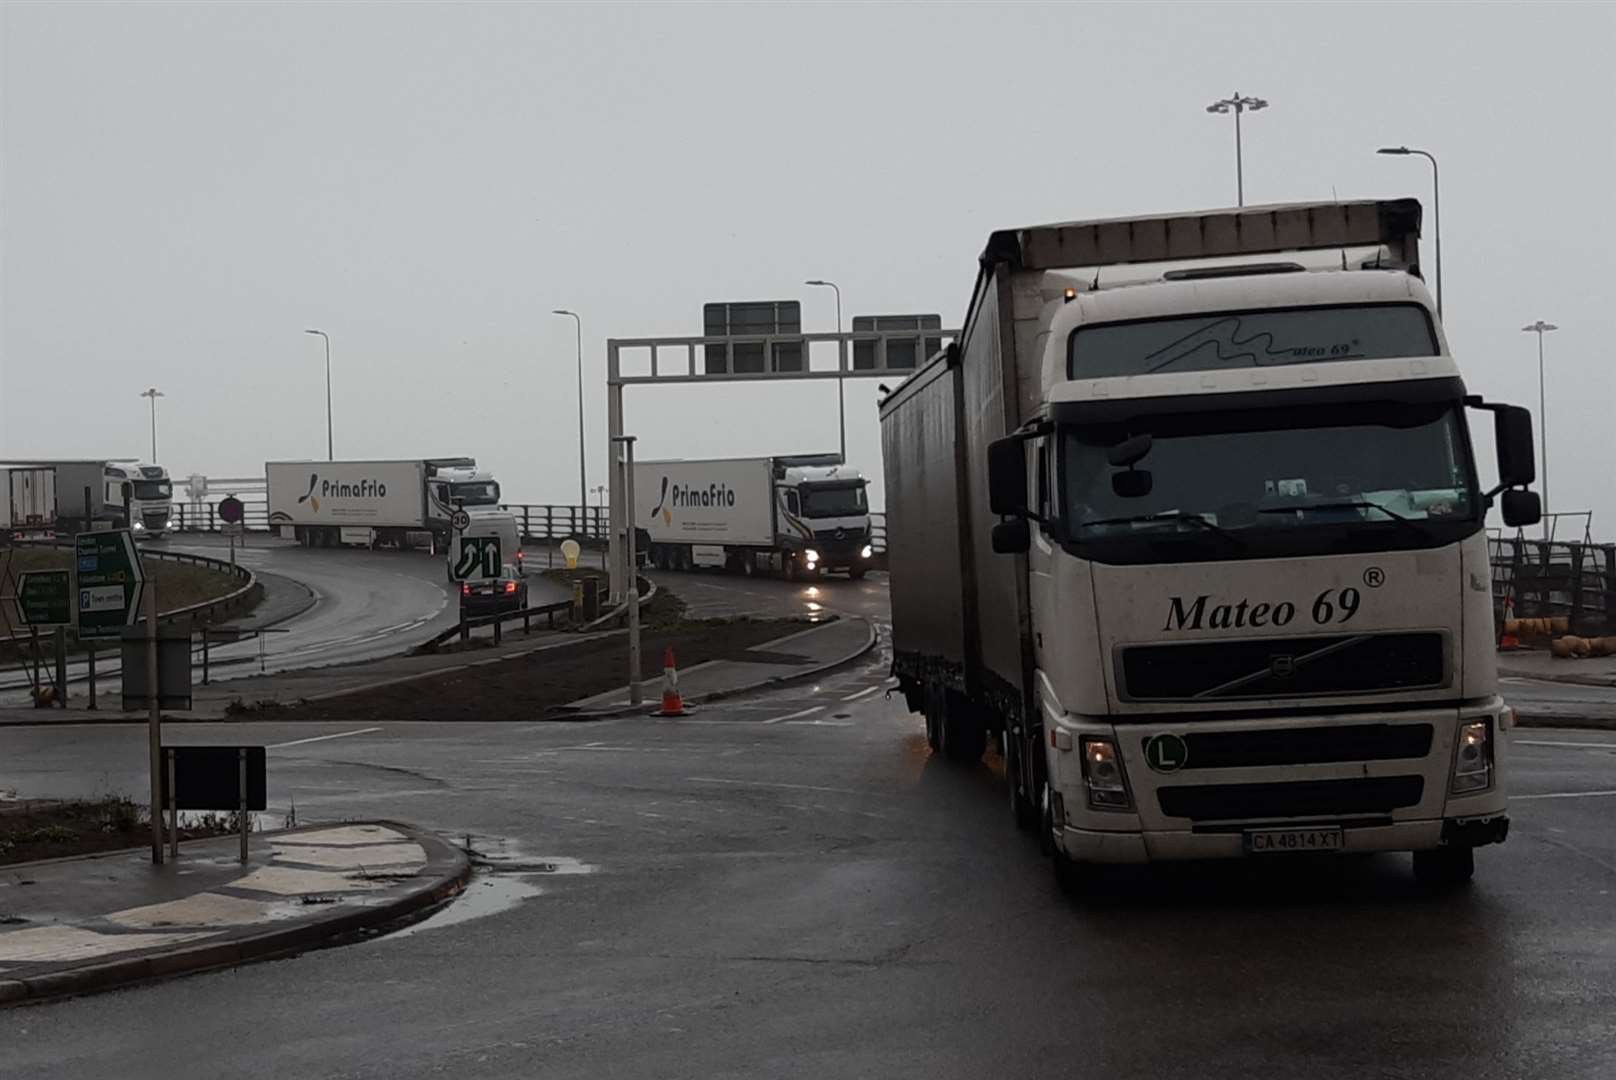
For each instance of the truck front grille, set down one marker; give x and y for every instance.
(1285, 667)
(1306, 746)
(155, 519)
(1303, 798)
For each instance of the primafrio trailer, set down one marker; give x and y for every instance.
(795, 515)
(326, 503)
(1189, 518)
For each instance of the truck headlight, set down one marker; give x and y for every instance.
(139, 526)
(866, 552)
(1473, 758)
(1103, 776)
(811, 555)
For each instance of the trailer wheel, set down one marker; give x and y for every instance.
(856, 573)
(964, 736)
(931, 708)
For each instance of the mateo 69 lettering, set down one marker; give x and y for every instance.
(1205, 613)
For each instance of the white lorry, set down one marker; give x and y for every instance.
(375, 503)
(1188, 517)
(797, 515)
(70, 496)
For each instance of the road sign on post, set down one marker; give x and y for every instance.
(476, 558)
(45, 597)
(108, 579)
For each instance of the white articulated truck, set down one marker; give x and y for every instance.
(1189, 518)
(375, 503)
(71, 496)
(797, 516)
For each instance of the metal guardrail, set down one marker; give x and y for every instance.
(1545, 579)
(464, 627)
(539, 522)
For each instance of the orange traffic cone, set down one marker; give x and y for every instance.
(672, 703)
(1509, 639)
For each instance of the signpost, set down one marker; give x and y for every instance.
(476, 558)
(231, 512)
(110, 583)
(108, 579)
(45, 597)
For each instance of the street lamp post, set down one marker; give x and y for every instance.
(1540, 328)
(841, 365)
(152, 395)
(330, 452)
(1436, 208)
(1237, 105)
(583, 490)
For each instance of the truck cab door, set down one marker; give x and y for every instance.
(1044, 549)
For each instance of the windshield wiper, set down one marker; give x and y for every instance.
(1347, 504)
(1194, 519)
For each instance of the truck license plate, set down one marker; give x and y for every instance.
(1261, 841)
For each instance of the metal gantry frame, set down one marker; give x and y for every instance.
(663, 371)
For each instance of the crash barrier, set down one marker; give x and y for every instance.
(539, 522)
(466, 625)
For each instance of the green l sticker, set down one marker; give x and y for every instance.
(1166, 753)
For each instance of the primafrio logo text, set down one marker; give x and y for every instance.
(689, 497)
(338, 489)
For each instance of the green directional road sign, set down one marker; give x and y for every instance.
(107, 577)
(476, 558)
(45, 597)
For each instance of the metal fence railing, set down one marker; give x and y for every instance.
(1547, 579)
(539, 522)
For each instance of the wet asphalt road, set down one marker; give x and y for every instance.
(784, 892)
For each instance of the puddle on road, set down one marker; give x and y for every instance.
(483, 897)
(502, 881)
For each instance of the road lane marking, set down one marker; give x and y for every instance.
(796, 715)
(1546, 742)
(819, 723)
(1566, 795)
(862, 693)
(323, 738)
(764, 783)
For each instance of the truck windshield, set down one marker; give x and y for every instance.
(1279, 481)
(1245, 339)
(153, 489)
(478, 493)
(833, 500)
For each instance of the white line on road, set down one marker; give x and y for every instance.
(819, 723)
(763, 783)
(862, 693)
(1546, 742)
(1565, 795)
(323, 738)
(795, 715)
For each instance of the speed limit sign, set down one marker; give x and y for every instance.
(460, 520)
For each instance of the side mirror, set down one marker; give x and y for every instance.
(1521, 508)
(1012, 537)
(1132, 483)
(1512, 427)
(1007, 478)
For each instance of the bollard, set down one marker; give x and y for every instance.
(204, 656)
(92, 675)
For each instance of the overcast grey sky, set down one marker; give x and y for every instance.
(186, 188)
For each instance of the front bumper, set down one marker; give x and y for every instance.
(1425, 816)
(1086, 845)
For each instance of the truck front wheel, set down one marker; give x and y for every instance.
(1444, 867)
